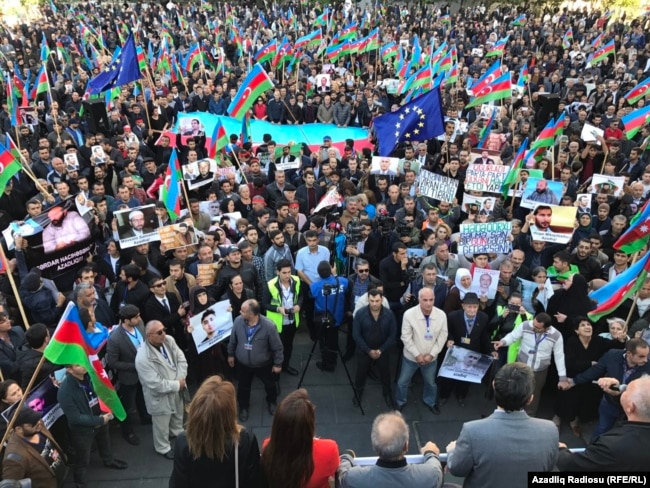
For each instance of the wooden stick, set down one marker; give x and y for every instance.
(15, 289)
(629, 314)
(10, 426)
(241, 171)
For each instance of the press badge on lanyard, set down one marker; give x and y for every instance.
(250, 332)
(537, 343)
(428, 335)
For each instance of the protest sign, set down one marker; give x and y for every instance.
(583, 202)
(42, 399)
(211, 207)
(591, 133)
(485, 282)
(464, 365)
(206, 273)
(384, 166)
(211, 326)
(485, 177)
(199, 173)
(612, 185)
(437, 186)
(222, 172)
(485, 237)
(59, 239)
(137, 225)
(540, 191)
(553, 223)
(472, 204)
(178, 235)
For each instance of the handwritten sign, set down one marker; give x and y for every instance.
(486, 177)
(489, 237)
(437, 186)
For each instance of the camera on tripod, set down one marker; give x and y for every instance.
(385, 223)
(353, 232)
(403, 230)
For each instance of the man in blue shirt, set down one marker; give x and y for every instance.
(329, 294)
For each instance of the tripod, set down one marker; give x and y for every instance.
(326, 350)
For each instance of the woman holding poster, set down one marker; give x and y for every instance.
(211, 361)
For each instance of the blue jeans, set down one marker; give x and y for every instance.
(408, 369)
(608, 414)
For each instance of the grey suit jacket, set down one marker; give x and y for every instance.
(120, 355)
(500, 450)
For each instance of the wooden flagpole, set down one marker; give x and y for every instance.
(12, 282)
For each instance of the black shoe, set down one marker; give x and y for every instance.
(271, 408)
(390, 403)
(320, 365)
(435, 410)
(291, 371)
(442, 401)
(132, 439)
(119, 464)
(243, 415)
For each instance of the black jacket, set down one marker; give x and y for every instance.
(198, 473)
(27, 362)
(9, 353)
(74, 402)
(479, 337)
(364, 322)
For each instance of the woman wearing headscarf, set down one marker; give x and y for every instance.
(568, 303)
(214, 360)
(463, 284)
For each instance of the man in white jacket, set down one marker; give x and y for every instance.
(162, 370)
(424, 333)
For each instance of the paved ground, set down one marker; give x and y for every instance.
(336, 418)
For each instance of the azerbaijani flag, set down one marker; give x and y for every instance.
(598, 41)
(516, 165)
(9, 166)
(634, 121)
(567, 40)
(256, 83)
(519, 21)
(170, 191)
(547, 136)
(388, 51)
(500, 89)
(523, 75)
(638, 92)
(266, 53)
(637, 235)
(498, 48)
(624, 286)
(41, 84)
(72, 344)
(219, 139)
(490, 75)
(600, 54)
(485, 131)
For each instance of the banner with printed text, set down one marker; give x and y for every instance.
(489, 237)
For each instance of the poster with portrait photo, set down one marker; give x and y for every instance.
(612, 185)
(583, 203)
(137, 225)
(199, 173)
(191, 127)
(328, 68)
(381, 165)
(540, 191)
(71, 162)
(211, 326)
(212, 208)
(28, 115)
(464, 365)
(98, 155)
(42, 399)
(485, 283)
(323, 83)
(452, 135)
(472, 204)
(64, 242)
(553, 223)
(178, 235)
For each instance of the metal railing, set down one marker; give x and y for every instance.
(419, 458)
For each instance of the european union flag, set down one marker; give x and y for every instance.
(418, 120)
(124, 68)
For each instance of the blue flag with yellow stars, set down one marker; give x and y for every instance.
(123, 69)
(418, 120)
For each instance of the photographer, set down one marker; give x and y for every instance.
(329, 294)
(508, 317)
(408, 233)
(393, 272)
(428, 279)
(359, 246)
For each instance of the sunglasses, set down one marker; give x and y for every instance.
(158, 285)
(159, 332)
(363, 271)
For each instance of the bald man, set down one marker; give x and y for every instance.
(623, 448)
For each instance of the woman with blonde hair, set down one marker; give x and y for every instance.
(292, 457)
(214, 446)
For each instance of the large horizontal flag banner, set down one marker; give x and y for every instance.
(312, 134)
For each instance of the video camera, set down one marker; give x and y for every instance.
(353, 232)
(385, 223)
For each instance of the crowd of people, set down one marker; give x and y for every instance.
(382, 263)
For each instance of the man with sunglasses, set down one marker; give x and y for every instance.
(162, 370)
(165, 307)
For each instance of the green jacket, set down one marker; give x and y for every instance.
(513, 349)
(273, 301)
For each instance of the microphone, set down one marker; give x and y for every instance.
(620, 388)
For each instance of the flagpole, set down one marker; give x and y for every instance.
(629, 314)
(27, 169)
(14, 288)
(241, 171)
(54, 114)
(10, 426)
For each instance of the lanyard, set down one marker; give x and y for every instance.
(539, 341)
(468, 327)
(126, 290)
(250, 332)
(627, 371)
(426, 319)
(136, 335)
